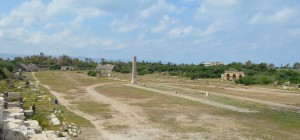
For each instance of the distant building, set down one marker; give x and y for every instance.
(67, 68)
(28, 67)
(232, 75)
(104, 70)
(208, 64)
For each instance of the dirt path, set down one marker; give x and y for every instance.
(137, 126)
(242, 98)
(132, 117)
(65, 103)
(207, 102)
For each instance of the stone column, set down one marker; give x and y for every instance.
(134, 71)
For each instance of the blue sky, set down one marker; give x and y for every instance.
(181, 31)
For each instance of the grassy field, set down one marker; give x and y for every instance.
(270, 123)
(178, 116)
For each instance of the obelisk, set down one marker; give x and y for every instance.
(134, 71)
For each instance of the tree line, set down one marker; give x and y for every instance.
(261, 73)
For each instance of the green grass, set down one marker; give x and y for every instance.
(45, 108)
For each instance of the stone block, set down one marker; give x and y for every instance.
(28, 112)
(19, 116)
(33, 124)
(13, 104)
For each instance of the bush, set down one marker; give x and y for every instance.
(2, 74)
(266, 80)
(174, 73)
(248, 80)
(125, 71)
(143, 72)
(92, 73)
(55, 67)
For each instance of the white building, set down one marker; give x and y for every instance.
(208, 64)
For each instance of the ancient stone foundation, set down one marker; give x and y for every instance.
(14, 127)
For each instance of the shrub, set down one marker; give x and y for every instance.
(248, 80)
(143, 72)
(92, 73)
(55, 67)
(266, 80)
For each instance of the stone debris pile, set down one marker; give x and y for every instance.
(13, 122)
(14, 126)
(54, 119)
(71, 129)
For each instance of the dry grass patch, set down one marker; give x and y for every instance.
(117, 128)
(290, 99)
(121, 91)
(64, 81)
(93, 108)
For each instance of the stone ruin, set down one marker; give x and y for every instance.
(104, 70)
(18, 75)
(28, 67)
(232, 75)
(13, 125)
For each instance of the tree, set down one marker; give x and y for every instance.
(248, 63)
(271, 65)
(296, 65)
(103, 61)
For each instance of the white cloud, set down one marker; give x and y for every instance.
(164, 23)
(36, 38)
(1, 34)
(211, 9)
(210, 30)
(158, 8)
(16, 33)
(294, 32)
(48, 26)
(282, 16)
(87, 13)
(120, 46)
(123, 25)
(107, 42)
(279, 17)
(139, 25)
(27, 13)
(187, 1)
(178, 32)
(57, 7)
(256, 18)
(39, 37)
